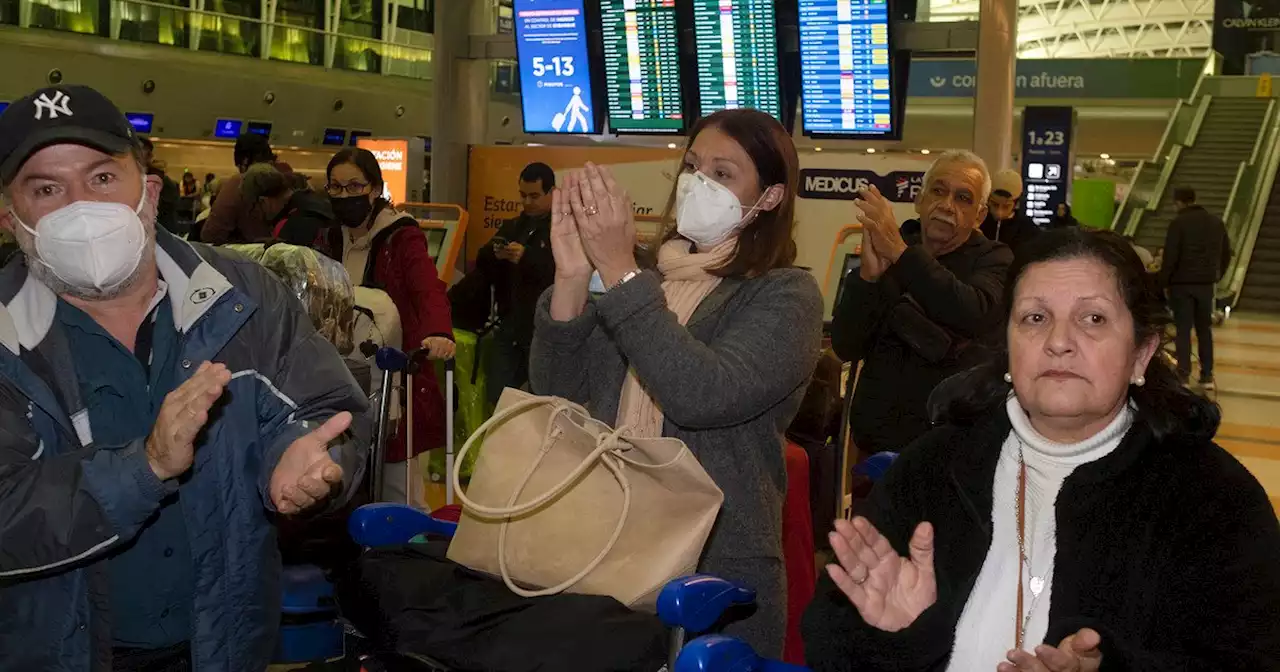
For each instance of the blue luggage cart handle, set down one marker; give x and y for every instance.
(390, 524)
(717, 653)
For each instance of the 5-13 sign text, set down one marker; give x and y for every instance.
(561, 66)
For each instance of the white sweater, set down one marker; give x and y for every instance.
(988, 624)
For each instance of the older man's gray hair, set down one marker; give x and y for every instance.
(965, 159)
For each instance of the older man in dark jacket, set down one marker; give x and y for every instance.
(1197, 251)
(160, 404)
(925, 297)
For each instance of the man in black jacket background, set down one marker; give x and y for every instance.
(1004, 223)
(1197, 250)
(167, 207)
(519, 264)
(923, 300)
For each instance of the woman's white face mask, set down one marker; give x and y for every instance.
(90, 245)
(707, 212)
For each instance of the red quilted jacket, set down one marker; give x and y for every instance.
(405, 270)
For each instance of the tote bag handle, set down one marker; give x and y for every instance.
(605, 447)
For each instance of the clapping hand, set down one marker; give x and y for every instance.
(606, 223)
(184, 412)
(306, 474)
(889, 591)
(566, 244)
(872, 265)
(880, 226)
(1076, 653)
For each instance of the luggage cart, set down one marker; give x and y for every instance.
(687, 606)
(312, 630)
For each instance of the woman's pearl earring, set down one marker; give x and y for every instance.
(1008, 377)
(1139, 381)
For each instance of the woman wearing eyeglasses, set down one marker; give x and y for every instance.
(383, 248)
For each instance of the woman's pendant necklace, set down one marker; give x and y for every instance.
(1035, 583)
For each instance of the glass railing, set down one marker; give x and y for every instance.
(1250, 196)
(219, 26)
(1151, 177)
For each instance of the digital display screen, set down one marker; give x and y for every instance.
(335, 136)
(141, 121)
(356, 135)
(737, 49)
(1047, 165)
(845, 68)
(852, 264)
(435, 241)
(227, 128)
(555, 68)
(262, 128)
(642, 66)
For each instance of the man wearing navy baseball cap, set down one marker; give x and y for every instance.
(159, 402)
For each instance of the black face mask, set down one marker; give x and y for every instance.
(351, 211)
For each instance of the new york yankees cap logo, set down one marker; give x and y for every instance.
(59, 115)
(59, 104)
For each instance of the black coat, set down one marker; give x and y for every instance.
(518, 286)
(1196, 249)
(920, 304)
(1169, 549)
(1015, 232)
(307, 219)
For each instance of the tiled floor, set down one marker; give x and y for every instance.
(1247, 354)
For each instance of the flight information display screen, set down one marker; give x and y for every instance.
(737, 48)
(642, 66)
(844, 68)
(555, 69)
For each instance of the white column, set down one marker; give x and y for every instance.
(195, 20)
(993, 98)
(448, 141)
(268, 27)
(116, 8)
(332, 21)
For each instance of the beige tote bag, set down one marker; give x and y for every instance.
(560, 502)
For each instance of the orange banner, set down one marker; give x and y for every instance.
(493, 180)
(392, 155)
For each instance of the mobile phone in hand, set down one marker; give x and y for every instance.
(498, 241)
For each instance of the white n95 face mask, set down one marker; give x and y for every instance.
(90, 244)
(707, 212)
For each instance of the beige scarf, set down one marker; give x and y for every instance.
(685, 282)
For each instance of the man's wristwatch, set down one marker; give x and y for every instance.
(623, 280)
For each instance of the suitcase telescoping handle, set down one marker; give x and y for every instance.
(417, 359)
(448, 431)
(389, 361)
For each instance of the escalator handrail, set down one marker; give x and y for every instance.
(1245, 235)
(1128, 217)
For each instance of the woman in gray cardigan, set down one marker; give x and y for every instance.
(714, 347)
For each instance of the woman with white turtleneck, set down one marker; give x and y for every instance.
(981, 635)
(1070, 514)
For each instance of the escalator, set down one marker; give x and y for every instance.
(1209, 166)
(1261, 290)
